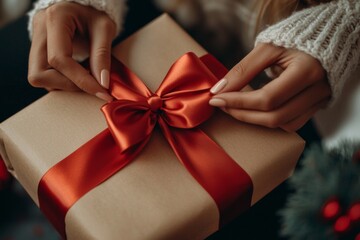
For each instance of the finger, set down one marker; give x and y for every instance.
(61, 29)
(290, 83)
(289, 111)
(53, 80)
(101, 33)
(242, 73)
(300, 121)
(40, 74)
(38, 50)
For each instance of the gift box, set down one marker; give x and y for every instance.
(154, 196)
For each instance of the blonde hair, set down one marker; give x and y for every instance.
(271, 11)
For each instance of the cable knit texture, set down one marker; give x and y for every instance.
(328, 32)
(114, 8)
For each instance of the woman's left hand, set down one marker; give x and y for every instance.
(288, 101)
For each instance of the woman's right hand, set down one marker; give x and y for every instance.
(58, 32)
(288, 101)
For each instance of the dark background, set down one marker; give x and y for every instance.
(20, 218)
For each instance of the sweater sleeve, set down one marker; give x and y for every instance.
(114, 8)
(329, 32)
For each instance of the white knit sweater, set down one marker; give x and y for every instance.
(328, 32)
(114, 8)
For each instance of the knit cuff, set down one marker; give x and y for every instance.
(115, 9)
(328, 32)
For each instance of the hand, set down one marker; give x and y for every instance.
(288, 101)
(58, 32)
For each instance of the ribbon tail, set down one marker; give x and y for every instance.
(80, 172)
(226, 182)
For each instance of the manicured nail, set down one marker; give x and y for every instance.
(218, 86)
(104, 96)
(105, 78)
(217, 102)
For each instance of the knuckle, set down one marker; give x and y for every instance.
(35, 80)
(268, 101)
(290, 128)
(273, 121)
(102, 51)
(55, 61)
(239, 68)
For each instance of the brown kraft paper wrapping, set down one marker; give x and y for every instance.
(154, 197)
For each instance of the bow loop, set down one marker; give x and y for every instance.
(124, 84)
(188, 74)
(186, 92)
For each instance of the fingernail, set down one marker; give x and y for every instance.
(218, 86)
(105, 78)
(104, 96)
(217, 102)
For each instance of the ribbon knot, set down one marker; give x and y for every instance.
(155, 103)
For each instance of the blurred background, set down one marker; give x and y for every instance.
(19, 217)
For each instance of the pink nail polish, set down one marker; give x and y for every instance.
(218, 86)
(217, 102)
(104, 96)
(105, 78)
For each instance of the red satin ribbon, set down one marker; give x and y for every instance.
(178, 107)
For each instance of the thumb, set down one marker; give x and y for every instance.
(261, 57)
(101, 35)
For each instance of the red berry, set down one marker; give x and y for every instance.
(354, 212)
(342, 224)
(331, 209)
